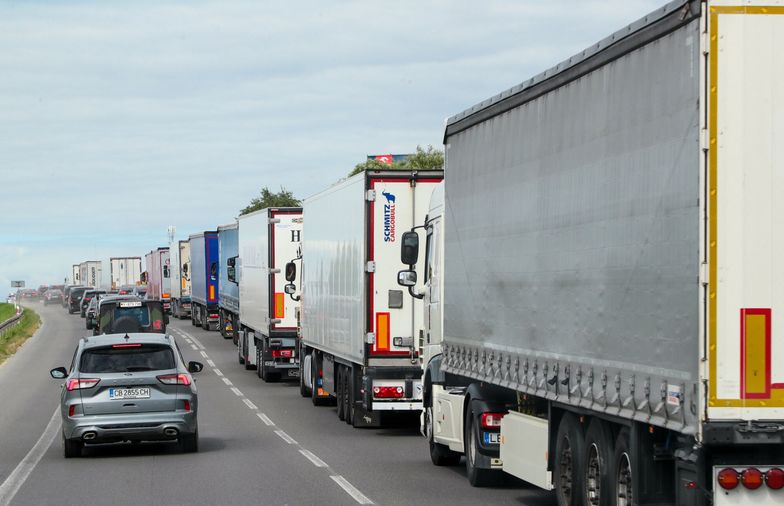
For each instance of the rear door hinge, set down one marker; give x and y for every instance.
(704, 274)
(370, 266)
(704, 139)
(370, 338)
(370, 195)
(272, 221)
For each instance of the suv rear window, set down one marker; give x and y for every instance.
(127, 358)
(140, 314)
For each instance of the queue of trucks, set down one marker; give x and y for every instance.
(583, 298)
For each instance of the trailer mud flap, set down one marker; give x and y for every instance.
(365, 418)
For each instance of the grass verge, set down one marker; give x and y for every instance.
(16, 336)
(6, 311)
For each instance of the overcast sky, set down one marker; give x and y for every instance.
(118, 119)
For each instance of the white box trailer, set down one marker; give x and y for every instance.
(75, 280)
(91, 273)
(612, 235)
(268, 240)
(180, 260)
(125, 271)
(359, 344)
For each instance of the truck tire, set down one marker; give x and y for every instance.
(440, 455)
(567, 473)
(597, 476)
(240, 356)
(477, 477)
(259, 366)
(235, 331)
(315, 399)
(339, 394)
(303, 389)
(245, 340)
(623, 486)
(350, 396)
(194, 312)
(203, 320)
(221, 324)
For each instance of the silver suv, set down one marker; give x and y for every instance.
(128, 387)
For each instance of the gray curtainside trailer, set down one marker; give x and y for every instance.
(610, 232)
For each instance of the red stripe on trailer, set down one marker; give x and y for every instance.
(750, 343)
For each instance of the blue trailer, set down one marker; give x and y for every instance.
(229, 300)
(205, 268)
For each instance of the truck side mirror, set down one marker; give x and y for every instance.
(291, 272)
(290, 288)
(409, 251)
(407, 278)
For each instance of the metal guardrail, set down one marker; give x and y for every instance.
(10, 323)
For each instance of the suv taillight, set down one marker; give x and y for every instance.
(175, 379)
(80, 383)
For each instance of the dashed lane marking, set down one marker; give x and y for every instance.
(203, 353)
(313, 458)
(265, 419)
(285, 437)
(217, 371)
(210, 363)
(249, 404)
(227, 381)
(237, 392)
(351, 490)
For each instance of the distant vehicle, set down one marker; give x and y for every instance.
(124, 271)
(91, 273)
(92, 309)
(140, 291)
(228, 288)
(75, 298)
(126, 290)
(179, 265)
(29, 294)
(124, 313)
(204, 280)
(128, 387)
(53, 296)
(159, 277)
(42, 290)
(86, 297)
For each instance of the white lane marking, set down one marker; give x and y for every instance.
(188, 336)
(19, 475)
(211, 363)
(311, 457)
(217, 371)
(236, 391)
(250, 404)
(351, 490)
(194, 347)
(203, 353)
(285, 437)
(265, 419)
(227, 381)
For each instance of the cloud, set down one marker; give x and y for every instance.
(118, 119)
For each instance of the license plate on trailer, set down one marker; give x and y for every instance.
(492, 438)
(129, 393)
(294, 373)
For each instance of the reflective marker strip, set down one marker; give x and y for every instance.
(280, 305)
(755, 353)
(212, 292)
(382, 331)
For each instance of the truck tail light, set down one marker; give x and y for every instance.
(175, 379)
(728, 478)
(80, 383)
(282, 353)
(491, 420)
(774, 478)
(752, 478)
(388, 392)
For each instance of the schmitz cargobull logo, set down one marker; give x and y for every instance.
(389, 217)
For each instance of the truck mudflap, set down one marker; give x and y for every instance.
(392, 389)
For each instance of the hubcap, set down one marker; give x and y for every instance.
(624, 480)
(593, 473)
(565, 470)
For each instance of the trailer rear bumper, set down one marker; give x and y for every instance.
(392, 388)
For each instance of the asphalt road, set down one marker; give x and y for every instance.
(260, 443)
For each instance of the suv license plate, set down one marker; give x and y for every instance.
(129, 393)
(492, 438)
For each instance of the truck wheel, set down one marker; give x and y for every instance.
(623, 490)
(440, 454)
(350, 397)
(339, 387)
(72, 449)
(259, 366)
(477, 477)
(597, 462)
(245, 341)
(346, 394)
(194, 313)
(235, 331)
(314, 397)
(221, 324)
(569, 448)
(303, 389)
(240, 355)
(204, 324)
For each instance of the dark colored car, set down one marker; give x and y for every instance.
(53, 296)
(75, 298)
(87, 296)
(125, 313)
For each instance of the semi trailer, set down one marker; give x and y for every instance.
(205, 281)
(268, 240)
(601, 269)
(159, 276)
(124, 271)
(229, 300)
(358, 344)
(91, 273)
(180, 261)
